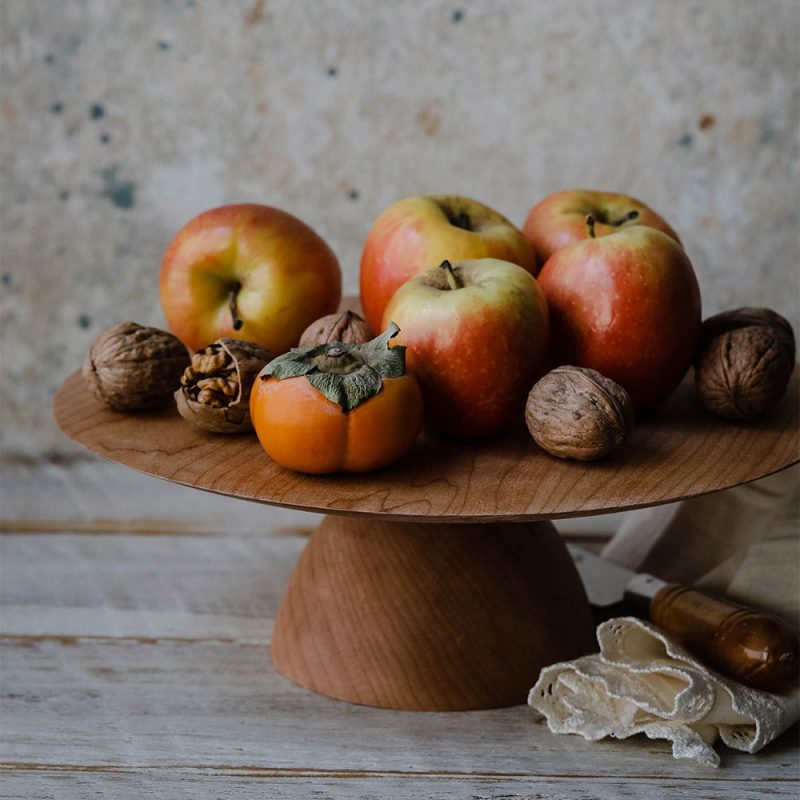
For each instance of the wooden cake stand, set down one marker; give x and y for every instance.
(437, 583)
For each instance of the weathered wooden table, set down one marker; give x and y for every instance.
(136, 625)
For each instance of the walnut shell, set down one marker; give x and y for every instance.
(744, 362)
(215, 388)
(347, 327)
(744, 317)
(574, 412)
(131, 367)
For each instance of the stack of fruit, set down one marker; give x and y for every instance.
(595, 287)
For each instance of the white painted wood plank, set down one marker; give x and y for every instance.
(147, 586)
(36, 621)
(88, 493)
(211, 784)
(117, 702)
(210, 705)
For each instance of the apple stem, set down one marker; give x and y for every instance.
(631, 215)
(452, 280)
(590, 225)
(237, 322)
(463, 221)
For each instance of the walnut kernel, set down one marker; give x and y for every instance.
(215, 387)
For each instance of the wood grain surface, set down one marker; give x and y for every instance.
(681, 451)
(385, 614)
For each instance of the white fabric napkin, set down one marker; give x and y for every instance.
(743, 544)
(642, 682)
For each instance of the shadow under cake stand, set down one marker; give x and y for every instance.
(439, 583)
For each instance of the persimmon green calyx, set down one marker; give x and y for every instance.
(347, 374)
(338, 361)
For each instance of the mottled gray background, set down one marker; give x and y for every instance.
(121, 120)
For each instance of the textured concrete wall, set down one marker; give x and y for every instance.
(121, 120)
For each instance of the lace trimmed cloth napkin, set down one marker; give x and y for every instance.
(743, 544)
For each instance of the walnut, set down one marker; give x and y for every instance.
(215, 388)
(573, 412)
(347, 327)
(131, 367)
(744, 362)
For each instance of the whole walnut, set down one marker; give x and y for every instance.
(575, 412)
(131, 367)
(744, 362)
(215, 388)
(347, 327)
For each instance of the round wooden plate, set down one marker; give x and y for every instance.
(679, 452)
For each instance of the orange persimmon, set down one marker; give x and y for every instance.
(308, 420)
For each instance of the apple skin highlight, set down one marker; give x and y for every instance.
(255, 264)
(628, 305)
(475, 350)
(418, 233)
(558, 220)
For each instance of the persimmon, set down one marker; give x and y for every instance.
(337, 407)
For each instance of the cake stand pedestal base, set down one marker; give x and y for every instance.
(430, 617)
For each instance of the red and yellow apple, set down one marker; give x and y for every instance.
(248, 271)
(626, 304)
(476, 334)
(559, 219)
(418, 233)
